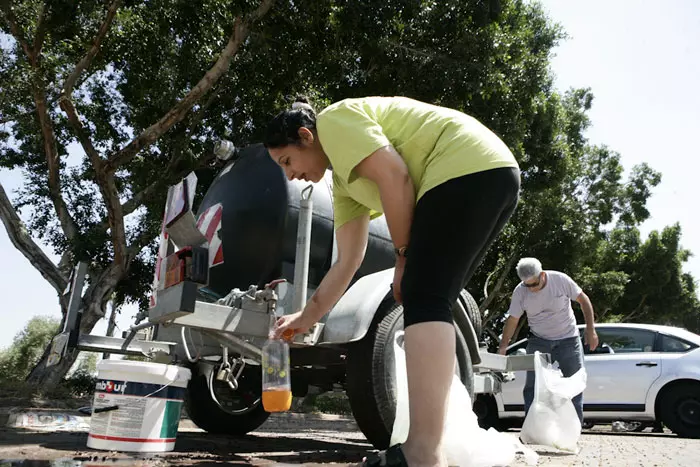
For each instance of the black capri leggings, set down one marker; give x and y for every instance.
(453, 226)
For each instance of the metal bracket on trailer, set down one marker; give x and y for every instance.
(177, 305)
(487, 383)
(497, 362)
(70, 338)
(92, 343)
(490, 373)
(249, 316)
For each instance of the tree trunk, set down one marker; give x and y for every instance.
(93, 309)
(103, 282)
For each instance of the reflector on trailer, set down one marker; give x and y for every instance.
(187, 264)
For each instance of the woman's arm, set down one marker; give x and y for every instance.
(352, 244)
(387, 169)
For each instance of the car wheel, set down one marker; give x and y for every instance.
(680, 409)
(237, 413)
(370, 370)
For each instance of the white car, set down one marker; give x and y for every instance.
(640, 372)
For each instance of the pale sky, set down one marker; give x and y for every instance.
(642, 61)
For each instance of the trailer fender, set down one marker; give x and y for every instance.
(350, 318)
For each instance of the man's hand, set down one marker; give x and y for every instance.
(591, 338)
(508, 331)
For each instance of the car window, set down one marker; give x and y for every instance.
(627, 340)
(674, 344)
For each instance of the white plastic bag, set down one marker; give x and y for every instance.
(552, 419)
(465, 443)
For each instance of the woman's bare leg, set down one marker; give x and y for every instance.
(430, 363)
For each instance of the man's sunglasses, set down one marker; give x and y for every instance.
(534, 284)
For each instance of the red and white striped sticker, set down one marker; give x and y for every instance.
(162, 252)
(209, 223)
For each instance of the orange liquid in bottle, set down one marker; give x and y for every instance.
(277, 400)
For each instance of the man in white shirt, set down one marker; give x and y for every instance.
(546, 298)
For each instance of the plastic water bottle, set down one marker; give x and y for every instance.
(276, 383)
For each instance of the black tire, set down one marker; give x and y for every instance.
(370, 374)
(680, 409)
(472, 309)
(243, 410)
(486, 411)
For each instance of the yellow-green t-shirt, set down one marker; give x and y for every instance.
(436, 143)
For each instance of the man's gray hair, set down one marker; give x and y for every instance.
(528, 268)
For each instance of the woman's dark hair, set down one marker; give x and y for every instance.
(283, 130)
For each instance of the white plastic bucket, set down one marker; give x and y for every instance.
(137, 406)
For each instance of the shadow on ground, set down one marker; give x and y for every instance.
(192, 448)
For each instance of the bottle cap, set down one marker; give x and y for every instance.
(288, 334)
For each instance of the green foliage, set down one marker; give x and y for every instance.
(27, 347)
(328, 402)
(79, 384)
(86, 364)
(18, 359)
(137, 358)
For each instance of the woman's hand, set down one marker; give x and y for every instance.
(297, 322)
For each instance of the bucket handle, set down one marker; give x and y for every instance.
(111, 408)
(159, 389)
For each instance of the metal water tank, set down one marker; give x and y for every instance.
(259, 224)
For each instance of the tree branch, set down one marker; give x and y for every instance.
(52, 159)
(132, 204)
(15, 117)
(105, 179)
(20, 238)
(65, 264)
(140, 242)
(177, 112)
(85, 62)
(40, 30)
(499, 283)
(39, 94)
(67, 106)
(636, 310)
(15, 30)
(65, 101)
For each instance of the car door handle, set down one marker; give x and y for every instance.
(647, 364)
